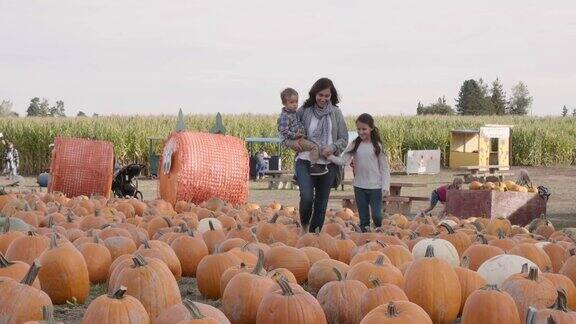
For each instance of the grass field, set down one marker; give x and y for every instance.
(535, 141)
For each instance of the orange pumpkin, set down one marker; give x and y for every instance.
(189, 250)
(210, 270)
(558, 313)
(322, 272)
(155, 295)
(27, 248)
(116, 308)
(530, 289)
(433, 284)
(20, 302)
(98, 260)
(380, 294)
(290, 258)
(385, 272)
(244, 292)
(490, 305)
(64, 275)
(397, 312)
(341, 299)
(290, 304)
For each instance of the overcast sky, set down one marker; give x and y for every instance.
(153, 57)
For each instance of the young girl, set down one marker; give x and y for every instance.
(371, 170)
(439, 194)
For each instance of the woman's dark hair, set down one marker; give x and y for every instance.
(322, 84)
(374, 134)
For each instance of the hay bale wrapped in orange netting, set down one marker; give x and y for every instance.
(81, 167)
(204, 166)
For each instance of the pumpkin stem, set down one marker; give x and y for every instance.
(382, 244)
(119, 293)
(139, 261)
(7, 224)
(560, 303)
(32, 273)
(168, 221)
(183, 228)
(524, 268)
(4, 263)
(146, 244)
(342, 235)
(193, 309)
(490, 287)
(190, 232)
(260, 263)
(274, 218)
(374, 281)
(211, 225)
(533, 274)
(48, 314)
(338, 273)
(448, 228)
(286, 289)
(69, 217)
(391, 310)
(96, 239)
(465, 263)
(379, 260)
(483, 239)
(429, 252)
(53, 241)
(501, 234)
(551, 320)
(317, 231)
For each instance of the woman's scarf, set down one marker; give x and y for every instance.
(322, 134)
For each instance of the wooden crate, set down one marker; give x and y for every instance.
(520, 208)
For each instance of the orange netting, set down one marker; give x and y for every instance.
(205, 166)
(81, 167)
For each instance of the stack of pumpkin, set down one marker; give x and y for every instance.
(507, 185)
(254, 260)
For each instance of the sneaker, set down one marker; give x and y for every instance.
(318, 170)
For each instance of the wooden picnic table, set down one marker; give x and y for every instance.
(394, 203)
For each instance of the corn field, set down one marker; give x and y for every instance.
(535, 141)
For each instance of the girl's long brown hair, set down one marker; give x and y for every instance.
(374, 134)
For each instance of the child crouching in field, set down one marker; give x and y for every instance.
(439, 194)
(371, 171)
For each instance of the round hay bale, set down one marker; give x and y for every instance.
(204, 166)
(81, 167)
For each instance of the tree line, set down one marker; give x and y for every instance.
(478, 98)
(38, 108)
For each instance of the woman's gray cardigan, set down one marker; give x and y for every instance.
(339, 129)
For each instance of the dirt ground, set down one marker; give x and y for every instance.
(561, 210)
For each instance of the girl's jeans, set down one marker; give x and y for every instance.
(369, 200)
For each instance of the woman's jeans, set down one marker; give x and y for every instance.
(314, 193)
(369, 200)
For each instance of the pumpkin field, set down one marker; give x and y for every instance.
(100, 260)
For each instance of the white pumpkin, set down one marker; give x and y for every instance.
(497, 269)
(442, 250)
(450, 222)
(204, 224)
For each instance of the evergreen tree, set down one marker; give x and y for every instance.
(81, 114)
(520, 101)
(574, 112)
(419, 109)
(498, 98)
(564, 111)
(470, 100)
